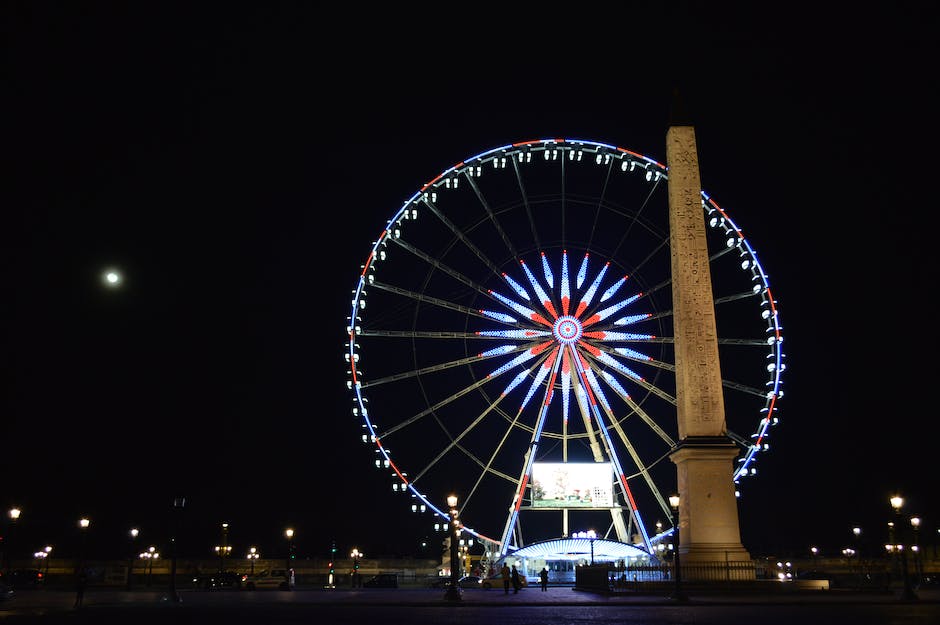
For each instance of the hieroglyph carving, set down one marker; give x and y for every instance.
(700, 405)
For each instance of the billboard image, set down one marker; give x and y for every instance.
(572, 485)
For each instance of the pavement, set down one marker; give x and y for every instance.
(48, 600)
(424, 606)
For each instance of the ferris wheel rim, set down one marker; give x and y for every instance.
(654, 168)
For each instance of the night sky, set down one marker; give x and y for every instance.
(236, 166)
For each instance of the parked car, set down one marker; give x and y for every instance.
(24, 578)
(225, 579)
(497, 582)
(440, 582)
(280, 579)
(382, 580)
(470, 581)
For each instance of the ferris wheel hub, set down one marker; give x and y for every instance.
(567, 330)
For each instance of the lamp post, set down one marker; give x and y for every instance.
(83, 525)
(356, 555)
(465, 555)
(908, 594)
(289, 564)
(252, 556)
(134, 533)
(814, 551)
(150, 555)
(81, 573)
(178, 504)
(48, 551)
(857, 552)
(453, 590)
(39, 556)
(915, 548)
(674, 503)
(14, 514)
(223, 549)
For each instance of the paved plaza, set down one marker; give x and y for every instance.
(559, 606)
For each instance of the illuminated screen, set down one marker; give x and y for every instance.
(572, 485)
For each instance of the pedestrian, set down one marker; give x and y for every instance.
(506, 577)
(543, 578)
(82, 581)
(516, 582)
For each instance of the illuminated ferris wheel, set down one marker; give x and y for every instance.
(510, 341)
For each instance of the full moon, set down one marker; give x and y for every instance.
(112, 278)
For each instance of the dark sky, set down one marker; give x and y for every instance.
(237, 164)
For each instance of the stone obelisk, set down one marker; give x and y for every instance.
(708, 514)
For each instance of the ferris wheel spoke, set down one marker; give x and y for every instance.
(635, 220)
(616, 423)
(549, 368)
(436, 264)
(524, 196)
(527, 313)
(489, 213)
(585, 373)
(626, 353)
(427, 299)
(642, 468)
(511, 349)
(725, 299)
(750, 390)
(601, 200)
(462, 238)
(631, 376)
(432, 409)
(444, 267)
(584, 410)
(634, 407)
(487, 467)
(455, 443)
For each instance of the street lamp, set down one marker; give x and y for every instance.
(915, 548)
(150, 555)
(356, 555)
(674, 503)
(83, 524)
(48, 551)
(289, 533)
(178, 504)
(224, 549)
(134, 533)
(14, 514)
(857, 551)
(252, 556)
(814, 551)
(466, 560)
(453, 590)
(39, 556)
(908, 594)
